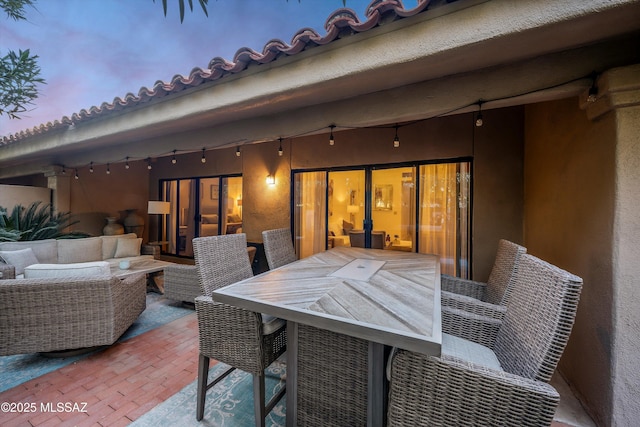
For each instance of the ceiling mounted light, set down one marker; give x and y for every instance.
(280, 152)
(203, 159)
(238, 151)
(108, 169)
(396, 140)
(76, 175)
(126, 164)
(91, 167)
(332, 140)
(173, 159)
(479, 121)
(149, 163)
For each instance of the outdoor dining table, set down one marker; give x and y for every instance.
(375, 299)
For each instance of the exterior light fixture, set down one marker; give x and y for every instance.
(76, 175)
(396, 140)
(593, 90)
(108, 169)
(238, 151)
(126, 164)
(149, 163)
(271, 180)
(479, 121)
(203, 159)
(91, 167)
(280, 148)
(332, 140)
(173, 159)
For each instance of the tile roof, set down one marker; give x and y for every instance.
(343, 22)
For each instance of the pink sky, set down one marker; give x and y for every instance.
(92, 51)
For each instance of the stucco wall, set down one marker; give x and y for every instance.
(12, 195)
(569, 205)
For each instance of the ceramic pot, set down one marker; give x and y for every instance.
(112, 228)
(134, 223)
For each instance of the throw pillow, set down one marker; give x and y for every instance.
(19, 259)
(347, 227)
(109, 244)
(128, 248)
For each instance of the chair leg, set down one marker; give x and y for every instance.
(258, 400)
(203, 374)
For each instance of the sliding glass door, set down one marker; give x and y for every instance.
(200, 207)
(416, 208)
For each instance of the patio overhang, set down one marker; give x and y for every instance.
(439, 62)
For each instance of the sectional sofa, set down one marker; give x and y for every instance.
(60, 295)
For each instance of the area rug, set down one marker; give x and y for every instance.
(228, 404)
(17, 369)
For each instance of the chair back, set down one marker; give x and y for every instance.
(378, 239)
(221, 261)
(539, 318)
(356, 238)
(278, 247)
(502, 274)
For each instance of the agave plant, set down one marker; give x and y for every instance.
(35, 223)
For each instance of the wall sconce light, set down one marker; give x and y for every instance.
(396, 140)
(332, 140)
(280, 147)
(479, 121)
(271, 180)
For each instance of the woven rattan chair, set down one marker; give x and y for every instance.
(278, 247)
(503, 383)
(239, 338)
(486, 299)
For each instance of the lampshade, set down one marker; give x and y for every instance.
(159, 207)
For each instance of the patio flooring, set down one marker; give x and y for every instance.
(128, 379)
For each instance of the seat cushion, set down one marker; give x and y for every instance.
(270, 324)
(469, 351)
(19, 259)
(82, 269)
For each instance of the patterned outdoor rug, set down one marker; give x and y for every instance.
(15, 370)
(228, 404)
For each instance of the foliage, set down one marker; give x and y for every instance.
(203, 5)
(35, 223)
(19, 73)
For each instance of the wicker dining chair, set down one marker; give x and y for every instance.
(487, 299)
(239, 338)
(504, 383)
(278, 247)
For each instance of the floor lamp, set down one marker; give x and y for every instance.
(159, 208)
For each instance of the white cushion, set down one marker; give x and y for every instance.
(109, 244)
(79, 250)
(82, 269)
(45, 250)
(469, 351)
(19, 259)
(128, 248)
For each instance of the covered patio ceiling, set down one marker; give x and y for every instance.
(439, 62)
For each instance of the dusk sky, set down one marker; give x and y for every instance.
(92, 51)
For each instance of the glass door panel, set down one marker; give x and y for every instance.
(346, 211)
(231, 202)
(444, 215)
(309, 215)
(209, 207)
(393, 209)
